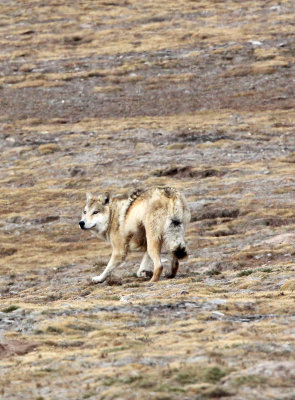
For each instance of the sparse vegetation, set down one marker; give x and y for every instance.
(245, 272)
(268, 270)
(249, 380)
(213, 271)
(10, 309)
(196, 374)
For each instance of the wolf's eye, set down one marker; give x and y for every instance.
(95, 212)
(84, 212)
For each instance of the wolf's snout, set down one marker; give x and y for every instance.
(82, 224)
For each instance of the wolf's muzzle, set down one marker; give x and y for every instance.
(82, 224)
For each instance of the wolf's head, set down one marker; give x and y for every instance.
(96, 213)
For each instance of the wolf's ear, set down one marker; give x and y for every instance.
(106, 197)
(88, 196)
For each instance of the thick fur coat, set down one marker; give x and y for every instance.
(147, 220)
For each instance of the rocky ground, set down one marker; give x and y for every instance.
(122, 94)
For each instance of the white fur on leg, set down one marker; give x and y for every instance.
(113, 263)
(145, 266)
(99, 279)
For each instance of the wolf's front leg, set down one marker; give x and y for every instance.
(116, 260)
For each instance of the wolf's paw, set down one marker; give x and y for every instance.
(98, 279)
(144, 274)
(170, 275)
(148, 274)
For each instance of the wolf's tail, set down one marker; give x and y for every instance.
(174, 238)
(174, 231)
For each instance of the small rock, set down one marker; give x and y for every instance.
(275, 8)
(125, 299)
(76, 171)
(255, 42)
(218, 314)
(218, 301)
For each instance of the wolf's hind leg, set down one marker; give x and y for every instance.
(116, 260)
(145, 269)
(174, 268)
(154, 250)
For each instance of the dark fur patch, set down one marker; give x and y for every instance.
(180, 252)
(169, 191)
(134, 195)
(106, 198)
(176, 222)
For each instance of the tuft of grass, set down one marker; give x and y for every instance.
(146, 383)
(193, 375)
(248, 380)
(48, 369)
(213, 271)
(109, 381)
(266, 270)
(245, 272)
(99, 263)
(38, 332)
(107, 89)
(88, 394)
(130, 379)
(171, 389)
(10, 309)
(115, 349)
(81, 327)
(215, 393)
(132, 285)
(48, 148)
(54, 329)
(115, 298)
(213, 374)
(110, 297)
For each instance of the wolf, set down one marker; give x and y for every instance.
(147, 220)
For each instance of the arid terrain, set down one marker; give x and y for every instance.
(114, 95)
